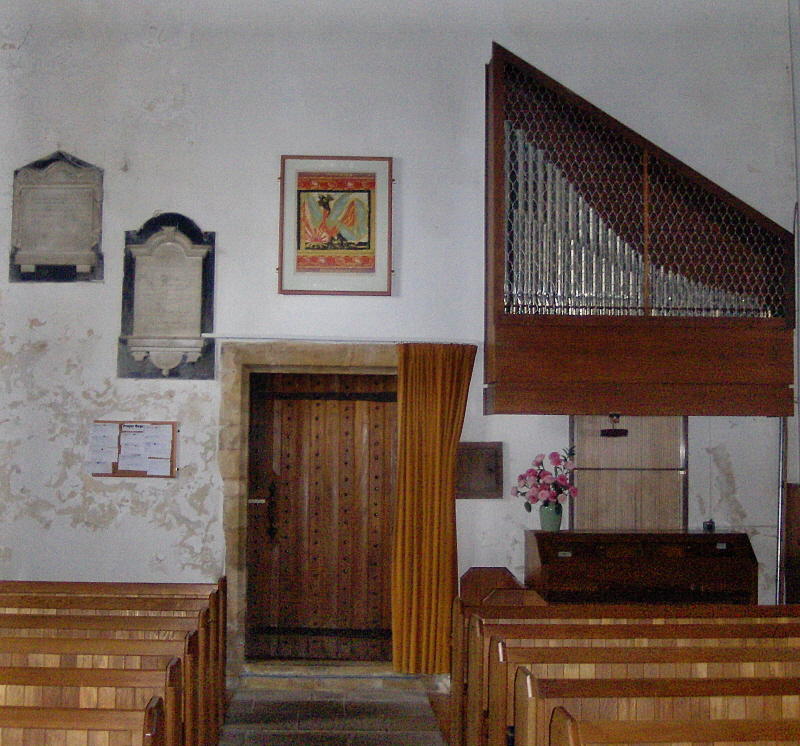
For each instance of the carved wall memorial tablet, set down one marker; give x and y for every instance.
(56, 220)
(167, 300)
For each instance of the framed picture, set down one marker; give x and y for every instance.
(336, 225)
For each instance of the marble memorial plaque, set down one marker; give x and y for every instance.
(167, 300)
(56, 214)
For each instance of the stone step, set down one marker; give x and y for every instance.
(330, 676)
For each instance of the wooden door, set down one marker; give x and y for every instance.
(635, 482)
(320, 508)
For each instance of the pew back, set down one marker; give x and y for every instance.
(618, 634)
(565, 730)
(731, 662)
(198, 601)
(83, 727)
(695, 703)
(467, 662)
(98, 688)
(90, 653)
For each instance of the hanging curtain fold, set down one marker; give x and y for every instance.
(433, 381)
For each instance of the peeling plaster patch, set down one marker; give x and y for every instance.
(86, 512)
(722, 487)
(51, 400)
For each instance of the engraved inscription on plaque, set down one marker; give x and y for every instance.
(56, 214)
(167, 300)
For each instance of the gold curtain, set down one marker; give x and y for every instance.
(433, 381)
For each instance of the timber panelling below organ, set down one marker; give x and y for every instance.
(633, 482)
(323, 463)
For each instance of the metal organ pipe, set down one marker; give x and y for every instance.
(563, 257)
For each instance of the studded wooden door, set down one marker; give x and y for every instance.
(321, 487)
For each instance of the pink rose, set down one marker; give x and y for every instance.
(563, 480)
(539, 460)
(546, 495)
(546, 478)
(573, 491)
(569, 465)
(555, 458)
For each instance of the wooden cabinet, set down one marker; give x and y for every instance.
(663, 567)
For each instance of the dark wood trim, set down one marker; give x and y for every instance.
(646, 400)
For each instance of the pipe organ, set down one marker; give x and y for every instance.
(563, 257)
(656, 291)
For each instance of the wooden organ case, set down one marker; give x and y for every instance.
(664, 294)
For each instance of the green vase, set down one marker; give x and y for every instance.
(550, 516)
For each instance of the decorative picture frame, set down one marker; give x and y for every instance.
(335, 225)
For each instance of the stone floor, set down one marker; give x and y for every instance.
(330, 711)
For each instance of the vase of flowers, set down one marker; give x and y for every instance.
(548, 483)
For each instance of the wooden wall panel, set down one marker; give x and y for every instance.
(651, 443)
(629, 500)
(639, 366)
(635, 482)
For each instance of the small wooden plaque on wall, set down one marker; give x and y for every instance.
(479, 470)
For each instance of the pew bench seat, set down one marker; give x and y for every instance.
(730, 660)
(473, 625)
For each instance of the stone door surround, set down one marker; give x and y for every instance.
(237, 361)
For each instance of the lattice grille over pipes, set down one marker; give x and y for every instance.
(598, 224)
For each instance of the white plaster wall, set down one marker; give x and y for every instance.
(188, 107)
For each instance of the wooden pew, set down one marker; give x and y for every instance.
(109, 626)
(214, 593)
(728, 660)
(496, 600)
(677, 634)
(79, 599)
(54, 652)
(470, 682)
(693, 704)
(104, 626)
(565, 730)
(101, 688)
(83, 727)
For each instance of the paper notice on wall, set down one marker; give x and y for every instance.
(159, 467)
(145, 447)
(103, 447)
